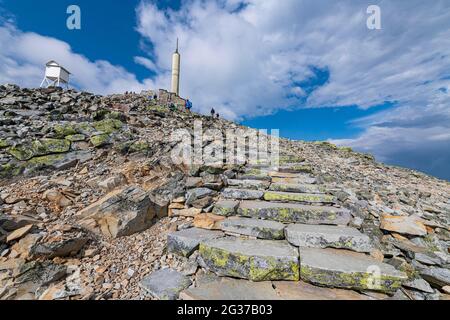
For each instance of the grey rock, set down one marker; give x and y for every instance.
(165, 284)
(59, 248)
(262, 229)
(37, 274)
(312, 198)
(120, 213)
(299, 188)
(418, 284)
(242, 194)
(439, 277)
(296, 213)
(226, 207)
(248, 184)
(185, 242)
(194, 182)
(11, 223)
(227, 289)
(427, 258)
(318, 236)
(346, 269)
(196, 194)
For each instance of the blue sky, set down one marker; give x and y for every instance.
(309, 68)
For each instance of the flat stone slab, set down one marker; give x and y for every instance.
(242, 194)
(185, 242)
(290, 290)
(439, 277)
(253, 176)
(256, 260)
(279, 174)
(320, 236)
(346, 269)
(297, 187)
(248, 184)
(288, 159)
(294, 213)
(262, 229)
(295, 168)
(226, 208)
(299, 197)
(227, 289)
(298, 180)
(165, 284)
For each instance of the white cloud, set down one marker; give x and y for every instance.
(245, 62)
(24, 55)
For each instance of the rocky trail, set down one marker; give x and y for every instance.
(92, 206)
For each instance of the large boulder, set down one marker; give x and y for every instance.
(120, 213)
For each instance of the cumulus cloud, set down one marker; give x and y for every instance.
(24, 54)
(246, 58)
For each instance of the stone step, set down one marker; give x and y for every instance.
(279, 174)
(313, 198)
(262, 229)
(228, 289)
(294, 213)
(297, 187)
(165, 284)
(287, 159)
(346, 269)
(295, 168)
(242, 194)
(303, 235)
(256, 260)
(248, 184)
(225, 208)
(300, 179)
(254, 176)
(185, 242)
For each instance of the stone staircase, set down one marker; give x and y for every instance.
(279, 224)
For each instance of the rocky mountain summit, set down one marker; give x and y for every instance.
(93, 206)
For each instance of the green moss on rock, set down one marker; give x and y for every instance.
(139, 146)
(76, 137)
(10, 170)
(44, 147)
(108, 125)
(21, 152)
(100, 140)
(63, 130)
(45, 161)
(251, 267)
(298, 197)
(3, 144)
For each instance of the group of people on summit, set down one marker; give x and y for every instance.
(214, 114)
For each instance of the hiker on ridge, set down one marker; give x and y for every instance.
(188, 105)
(213, 112)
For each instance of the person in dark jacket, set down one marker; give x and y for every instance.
(213, 112)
